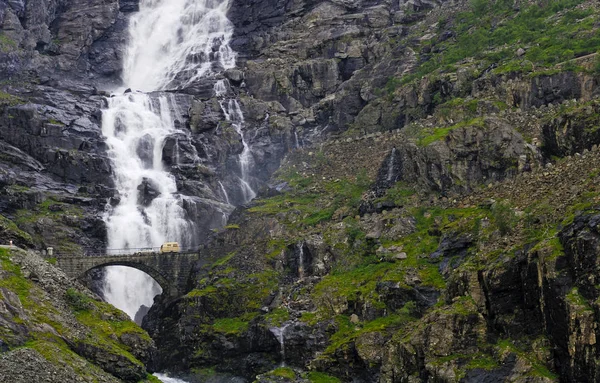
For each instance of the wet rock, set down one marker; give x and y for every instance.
(148, 192)
(235, 75)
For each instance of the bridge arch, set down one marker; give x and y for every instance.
(168, 288)
(170, 271)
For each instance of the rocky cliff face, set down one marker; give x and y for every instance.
(423, 230)
(427, 174)
(54, 329)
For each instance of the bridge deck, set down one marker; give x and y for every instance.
(123, 252)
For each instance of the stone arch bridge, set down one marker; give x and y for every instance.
(171, 270)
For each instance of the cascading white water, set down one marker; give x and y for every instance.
(167, 379)
(225, 195)
(301, 260)
(390, 174)
(279, 333)
(172, 43)
(233, 113)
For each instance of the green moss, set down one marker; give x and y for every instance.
(284, 372)
(428, 136)
(539, 369)
(310, 318)
(222, 261)
(6, 43)
(399, 193)
(577, 300)
(232, 226)
(206, 291)
(312, 201)
(492, 35)
(319, 377)
(483, 362)
(14, 281)
(230, 326)
(10, 227)
(55, 122)
(78, 301)
(356, 285)
(57, 352)
(464, 306)
(347, 331)
(152, 379)
(277, 317)
(9, 99)
(43, 209)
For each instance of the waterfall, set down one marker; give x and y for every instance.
(390, 174)
(224, 192)
(297, 140)
(233, 113)
(279, 333)
(175, 42)
(301, 260)
(166, 379)
(172, 44)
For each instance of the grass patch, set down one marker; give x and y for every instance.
(491, 32)
(312, 202)
(347, 331)
(6, 43)
(320, 377)
(428, 136)
(230, 326)
(283, 372)
(277, 317)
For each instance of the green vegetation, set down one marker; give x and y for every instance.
(6, 43)
(48, 208)
(319, 377)
(399, 194)
(103, 325)
(428, 136)
(347, 331)
(538, 368)
(9, 99)
(230, 325)
(578, 301)
(14, 281)
(284, 372)
(10, 228)
(79, 302)
(312, 201)
(152, 379)
(55, 122)
(236, 298)
(491, 33)
(277, 317)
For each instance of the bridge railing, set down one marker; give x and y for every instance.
(139, 251)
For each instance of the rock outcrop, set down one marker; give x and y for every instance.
(54, 329)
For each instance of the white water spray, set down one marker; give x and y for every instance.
(167, 379)
(172, 43)
(279, 333)
(301, 260)
(233, 113)
(390, 174)
(225, 195)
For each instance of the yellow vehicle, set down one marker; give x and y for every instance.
(170, 247)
